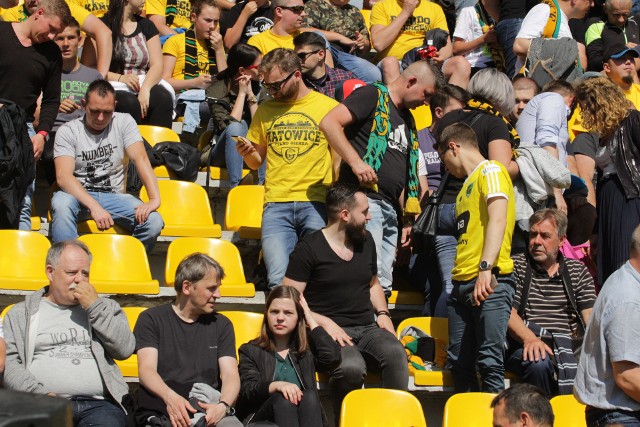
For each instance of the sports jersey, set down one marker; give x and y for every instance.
(174, 46)
(426, 16)
(489, 179)
(182, 19)
(298, 156)
(267, 41)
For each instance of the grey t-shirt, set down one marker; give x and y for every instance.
(73, 85)
(612, 336)
(101, 161)
(62, 360)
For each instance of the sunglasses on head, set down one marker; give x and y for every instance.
(295, 9)
(276, 86)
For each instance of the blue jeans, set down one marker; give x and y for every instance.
(446, 243)
(425, 275)
(193, 99)
(383, 227)
(283, 223)
(541, 373)
(92, 412)
(373, 347)
(66, 212)
(25, 209)
(360, 67)
(477, 334)
(635, 6)
(225, 154)
(596, 417)
(507, 30)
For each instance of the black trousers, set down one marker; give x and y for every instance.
(277, 409)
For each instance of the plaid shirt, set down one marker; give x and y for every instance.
(333, 78)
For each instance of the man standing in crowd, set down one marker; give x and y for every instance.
(285, 133)
(524, 89)
(480, 302)
(609, 368)
(63, 339)
(551, 308)
(186, 353)
(386, 161)
(91, 155)
(30, 65)
(619, 67)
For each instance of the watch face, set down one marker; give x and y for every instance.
(484, 265)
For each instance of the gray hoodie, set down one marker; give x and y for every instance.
(111, 338)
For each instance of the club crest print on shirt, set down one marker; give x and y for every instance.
(292, 135)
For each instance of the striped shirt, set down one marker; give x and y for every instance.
(548, 304)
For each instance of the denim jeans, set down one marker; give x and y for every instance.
(424, 274)
(66, 212)
(507, 30)
(373, 347)
(360, 67)
(283, 223)
(596, 417)
(192, 99)
(445, 247)
(383, 227)
(541, 373)
(25, 209)
(477, 334)
(93, 412)
(635, 6)
(226, 155)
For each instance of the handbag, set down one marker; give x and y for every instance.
(425, 229)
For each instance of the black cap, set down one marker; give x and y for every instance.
(618, 50)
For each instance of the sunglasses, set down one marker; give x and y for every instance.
(304, 55)
(252, 67)
(295, 9)
(276, 86)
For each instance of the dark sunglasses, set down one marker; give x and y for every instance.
(295, 9)
(304, 55)
(276, 86)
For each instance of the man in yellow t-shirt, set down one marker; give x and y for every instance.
(287, 20)
(483, 287)
(285, 133)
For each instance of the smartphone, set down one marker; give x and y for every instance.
(241, 140)
(494, 284)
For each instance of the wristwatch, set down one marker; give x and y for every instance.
(485, 266)
(230, 411)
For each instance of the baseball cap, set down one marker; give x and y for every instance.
(618, 50)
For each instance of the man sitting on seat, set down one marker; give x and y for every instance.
(91, 155)
(287, 20)
(552, 306)
(63, 339)
(186, 353)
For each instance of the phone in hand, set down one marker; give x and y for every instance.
(241, 140)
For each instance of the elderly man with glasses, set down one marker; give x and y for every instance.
(298, 160)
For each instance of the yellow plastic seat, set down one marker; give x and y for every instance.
(129, 367)
(246, 325)
(422, 116)
(244, 211)
(568, 412)
(402, 296)
(234, 283)
(120, 265)
(381, 407)
(222, 174)
(89, 227)
(5, 311)
(36, 223)
(438, 328)
(185, 210)
(22, 260)
(154, 135)
(468, 410)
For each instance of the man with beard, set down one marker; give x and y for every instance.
(620, 68)
(298, 161)
(553, 294)
(336, 270)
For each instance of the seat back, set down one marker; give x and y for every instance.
(132, 314)
(422, 117)
(156, 134)
(23, 255)
(568, 411)
(244, 207)
(183, 204)
(5, 311)
(246, 325)
(117, 258)
(469, 410)
(437, 327)
(381, 407)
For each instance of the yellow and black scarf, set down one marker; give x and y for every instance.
(191, 69)
(487, 22)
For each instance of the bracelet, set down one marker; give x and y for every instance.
(43, 133)
(252, 99)
(383, 312)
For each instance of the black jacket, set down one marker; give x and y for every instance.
(257, 367)
(624, 148)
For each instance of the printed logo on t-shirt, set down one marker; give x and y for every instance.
(469, 189)
(73, 90)
(94, 6)
(293, 135)
(398, 139)
(99, 168)
(463, 223)
(258, 25)
(184, 8)
(73, 344)
(415, 24)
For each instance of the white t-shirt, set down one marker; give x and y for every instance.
(467, 29)
(534, 23)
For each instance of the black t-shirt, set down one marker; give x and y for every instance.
(586, 144)
(516, 8)
(487, 128)
(392, 174)
(336, 288)
(188, 353)
(257, 23)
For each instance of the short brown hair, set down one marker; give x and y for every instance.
(194, 267)
(554, 215)
(198, 5)
(285, 59)
(461, 133)
(57, 8)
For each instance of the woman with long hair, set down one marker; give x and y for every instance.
(137, 52)
(277, 370)
(236, 86)
(606, 111)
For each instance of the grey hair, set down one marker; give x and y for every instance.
(494, 87)
(55, 251)
(194, 267)
(555, 215)
(635, 241)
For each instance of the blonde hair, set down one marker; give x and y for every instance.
(603, 105)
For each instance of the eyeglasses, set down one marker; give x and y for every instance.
(443, 152)
(304, 55)
(276, 86)
(295, 9)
